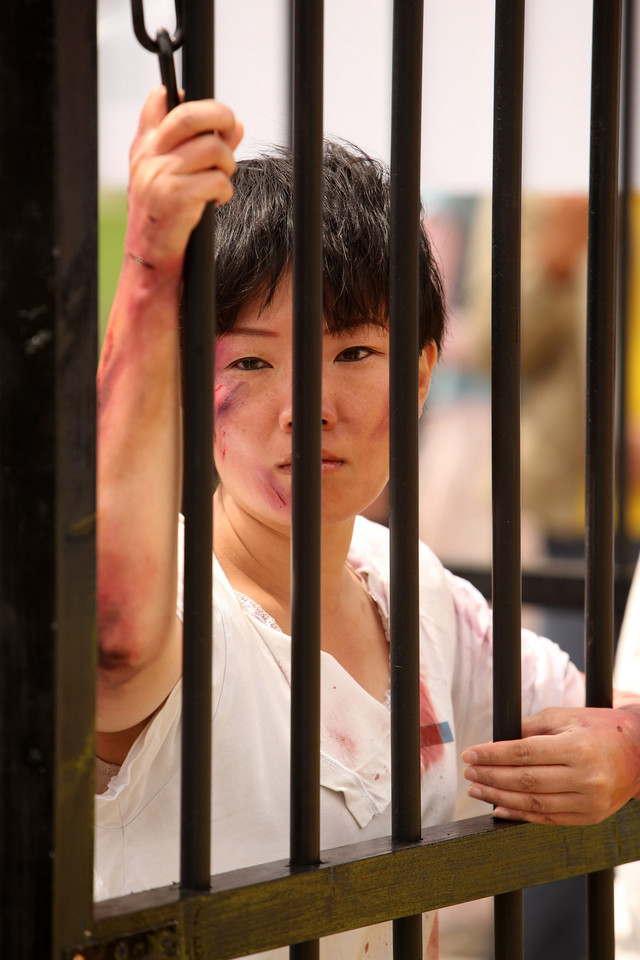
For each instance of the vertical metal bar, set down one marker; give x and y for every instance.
(505, 411)
(601, 279)
(48, 350)
(199, 345)
(307, 440)
(623, 546)
(291, 5)
(406, 99)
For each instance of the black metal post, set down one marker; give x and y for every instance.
(505, 412)
(601, 286)
(198, 359)
(48, 350)
(307, 440)
(406, 100)
(623, 547)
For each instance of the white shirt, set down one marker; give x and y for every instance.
(137, 819)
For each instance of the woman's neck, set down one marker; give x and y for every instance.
(256, 557)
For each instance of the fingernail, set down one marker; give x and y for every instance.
(469, 756)
(471, 773)
(502, 813)
(475, 792)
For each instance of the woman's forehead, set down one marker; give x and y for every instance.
(273, 307)
(270, 325)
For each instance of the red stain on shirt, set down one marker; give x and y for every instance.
(431, 745)
(346, 744)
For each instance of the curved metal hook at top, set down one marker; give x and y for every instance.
(140, 30)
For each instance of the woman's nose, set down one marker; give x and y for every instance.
(286, 419)
(329, 415)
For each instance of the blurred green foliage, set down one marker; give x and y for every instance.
(112, 218)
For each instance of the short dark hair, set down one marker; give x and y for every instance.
(254, 242)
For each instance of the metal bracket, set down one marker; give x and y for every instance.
(162, 943)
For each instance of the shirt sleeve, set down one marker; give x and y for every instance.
(626, 674)
(548, 676)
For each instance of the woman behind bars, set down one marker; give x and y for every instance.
(573, 765)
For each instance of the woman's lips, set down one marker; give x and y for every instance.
(330, 464)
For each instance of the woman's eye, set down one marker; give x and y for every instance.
(353, 354)
(249, 363)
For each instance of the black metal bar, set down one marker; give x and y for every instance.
(290, 67)
(199, 345)
(601, 351)
(167, 68)
(505, 370)
(48, 350)
(406, 103)
(307, 439)
(505, 411)
(404, 347)
(308, 41)
(623, 545)
(601, 285)
(600, 916)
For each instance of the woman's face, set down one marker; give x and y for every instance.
(253, 413)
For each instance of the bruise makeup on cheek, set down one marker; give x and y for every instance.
(223, 401)
(381, 428)
(224, 393)
(224, 398)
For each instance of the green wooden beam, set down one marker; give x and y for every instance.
(267, 906)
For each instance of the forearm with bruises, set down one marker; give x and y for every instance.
(138, 495)
(630, 704)
(179, 162)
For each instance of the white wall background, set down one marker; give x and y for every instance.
(251, 75)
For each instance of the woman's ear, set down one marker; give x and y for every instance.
(426, 364)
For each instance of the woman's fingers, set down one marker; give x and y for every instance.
(561, 809)
(195, 117)
(180, 162)
(572, 766)
(205, 152)
(153, 111)
(528, 780)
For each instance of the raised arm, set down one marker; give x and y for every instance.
(178, 162)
